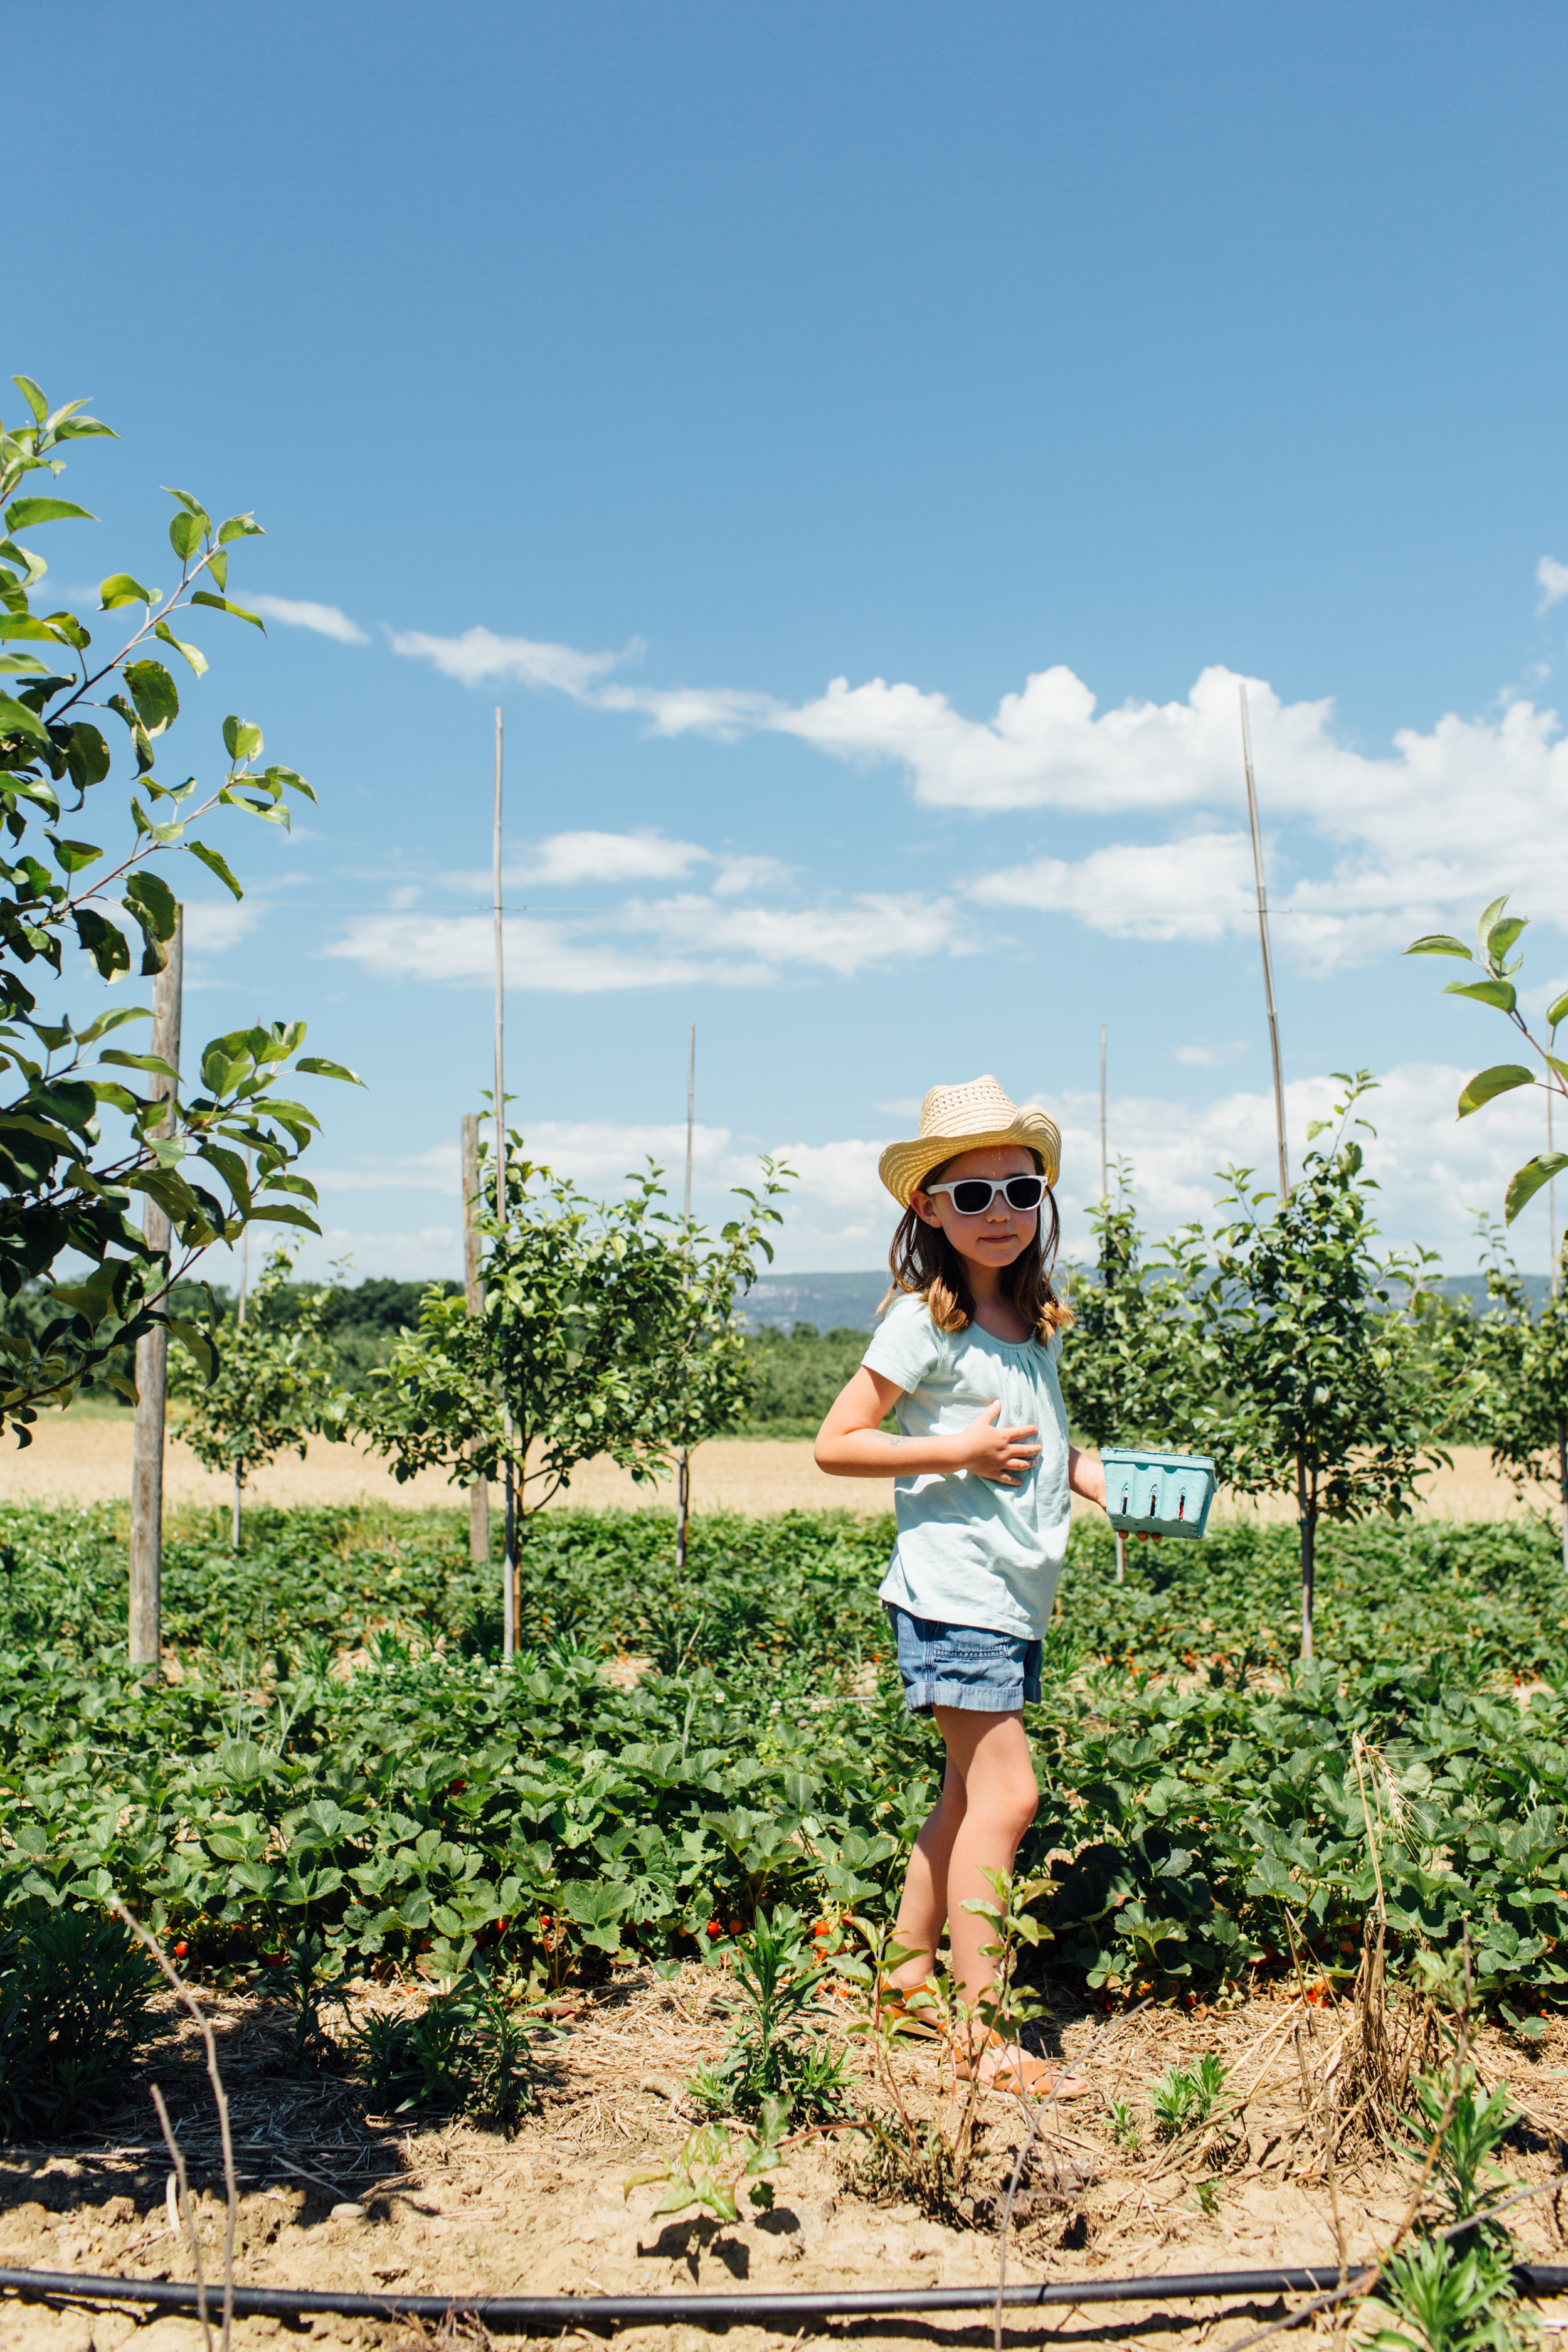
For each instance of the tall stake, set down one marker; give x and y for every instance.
(473, 1292)
(146, 1632)
(1268, 959)
(1105, 1202)
(509, 1561)
(1552, 1203)
(683, 1473)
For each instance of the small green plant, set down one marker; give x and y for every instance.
(1208, 2194)
(1124, 2127)
(713, 2162)
(468, 2048)
(73, 2009)
(312, 1968)
(1455, 2292)
(776, 1972)
(1185, 2096)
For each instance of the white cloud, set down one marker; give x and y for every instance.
(435, 1170)
(642, 857)
(1204, 1055)
(1442, 819)
(1431, 1167)
(1197, 888)
(544, 956)
(697, 940)
(478, 656)
(1553, 578)
(213, 925)
(296, 612)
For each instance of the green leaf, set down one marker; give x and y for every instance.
(1500, 1079)
(215, 865)
(87, 755)
(222, 605)
(241, 739)
(1501, 936)
(1439, 944)
(1528, 1181)
(1500, 992)
(149, 897)
(121, 589)
(314, 1067)
(186, 536)
(1483, 928)
(32, 396)
(16, 719)
(240, 525)
(71, 856)
(23, 513)
(193, 654)
(26, 625)
(193, 507)
(153, 691)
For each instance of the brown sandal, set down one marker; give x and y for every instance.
(1019, 2071)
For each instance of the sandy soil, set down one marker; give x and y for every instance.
(460, 2209)
(84, 1460)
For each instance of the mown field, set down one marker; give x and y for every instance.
(343, 1753)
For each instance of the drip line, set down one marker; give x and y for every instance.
(780, 2311)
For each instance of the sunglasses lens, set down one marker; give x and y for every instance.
(1024, 1191)
(971, 1196)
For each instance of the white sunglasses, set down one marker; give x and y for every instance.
(972, 1195)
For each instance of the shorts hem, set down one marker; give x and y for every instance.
(972, 1699)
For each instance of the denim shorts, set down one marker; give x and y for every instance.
(970, 1666)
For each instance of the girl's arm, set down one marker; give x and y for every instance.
(1086, 1476)
(850, 1445)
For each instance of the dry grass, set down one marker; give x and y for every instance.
(452, 2207)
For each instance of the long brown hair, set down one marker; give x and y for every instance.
(924, 1264)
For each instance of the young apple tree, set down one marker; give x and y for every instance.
(608, 1327)
(1303, 1316)
(275, 1388)
(66, 1192)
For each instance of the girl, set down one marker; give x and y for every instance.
(982, 1471)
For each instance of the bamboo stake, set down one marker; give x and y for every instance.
(683, 1472)
(1105, 1202)
(145, 1645)
(474, 1293)
(509, 1561)
(1551, 1200)
(1268, 959)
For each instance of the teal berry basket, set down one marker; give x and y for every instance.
(1157, 1494)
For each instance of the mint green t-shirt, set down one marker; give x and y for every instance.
(970, 1551)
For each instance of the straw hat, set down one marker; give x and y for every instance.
(966, 1118)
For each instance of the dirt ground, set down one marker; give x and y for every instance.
(336, 2195)
(80, 1459)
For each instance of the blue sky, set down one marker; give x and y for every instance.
(753, 401)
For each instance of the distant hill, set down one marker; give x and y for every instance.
(834, 1302)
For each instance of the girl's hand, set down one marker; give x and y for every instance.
(1000, 1454)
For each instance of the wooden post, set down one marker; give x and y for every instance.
(1268, 959)
(509, 1559)
(473, 1292)
(146, 1632)
(683, 1471)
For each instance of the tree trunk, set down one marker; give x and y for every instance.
(1307, 1505)
(1562, 1483)
(239, 1483)
(682, 1507)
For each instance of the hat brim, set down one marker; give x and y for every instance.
(904, 1166)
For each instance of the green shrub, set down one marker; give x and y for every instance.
(73, 2009)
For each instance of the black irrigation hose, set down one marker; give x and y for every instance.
(782, 2311)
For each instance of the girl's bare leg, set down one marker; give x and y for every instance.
(987, 1802)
